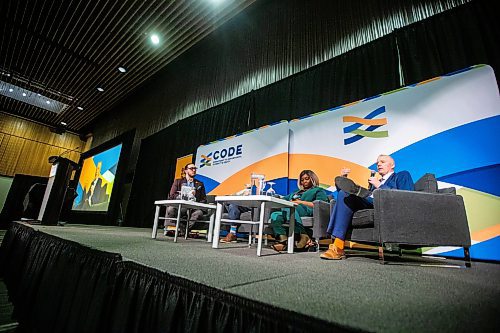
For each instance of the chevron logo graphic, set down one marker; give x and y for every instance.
(206, 160)
(368, 132)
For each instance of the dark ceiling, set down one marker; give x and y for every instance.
(62, 51)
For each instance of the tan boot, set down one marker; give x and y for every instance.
(304, 240)
(333, 253)
(230, 238)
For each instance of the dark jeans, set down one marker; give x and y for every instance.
(234, 212)
(195, 215)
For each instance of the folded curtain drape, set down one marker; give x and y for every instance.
(58, 285)
(55, 285)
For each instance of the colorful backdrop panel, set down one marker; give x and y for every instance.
(447, 126)
(225, 166)
(181, 163)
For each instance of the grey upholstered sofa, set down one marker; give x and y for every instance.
(427, 216)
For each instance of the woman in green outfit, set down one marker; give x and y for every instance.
(309, 191)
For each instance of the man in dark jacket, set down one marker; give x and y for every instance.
(197, 193)
(352, 197)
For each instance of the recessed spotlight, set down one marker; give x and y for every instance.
(100, 89)
(24, 94)
(122, 69)
(11, 90)
(155, 39)
(63, 123)
(79, 108)
(48, 102)
(8, 75)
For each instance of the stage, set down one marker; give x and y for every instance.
(357, 294)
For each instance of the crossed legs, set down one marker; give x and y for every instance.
(341, 219)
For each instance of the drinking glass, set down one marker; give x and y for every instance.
(271, 192)
(248, 189)
(263, 184)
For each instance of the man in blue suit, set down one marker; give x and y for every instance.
(352, 198)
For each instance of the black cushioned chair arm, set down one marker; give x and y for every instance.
(419, 218)
(447, 190)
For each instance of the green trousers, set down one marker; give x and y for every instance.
(282, 216)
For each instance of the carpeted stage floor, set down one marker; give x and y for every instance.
(358, 292)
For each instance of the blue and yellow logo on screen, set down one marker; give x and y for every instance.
(221, 156)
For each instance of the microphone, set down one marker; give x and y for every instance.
(370, 186)
(54, 158)
(68, 151)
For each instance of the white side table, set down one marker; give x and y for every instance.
(252, 201)
(183, 204)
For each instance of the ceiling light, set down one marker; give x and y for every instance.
(63, 123)
(79, 108)
(100, 89)
(30, 97)
(155, 39)
(121, 69)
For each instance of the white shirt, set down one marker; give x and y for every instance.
(384, 178)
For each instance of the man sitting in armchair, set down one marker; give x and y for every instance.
(352, 197)
(197, 193)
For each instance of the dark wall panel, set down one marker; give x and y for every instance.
(267, 43)
(158, 153)
(465, 36)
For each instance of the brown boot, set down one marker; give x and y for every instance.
(230, 238)
(333, 253)
(304, 240)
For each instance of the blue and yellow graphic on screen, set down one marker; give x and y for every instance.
(96, 181)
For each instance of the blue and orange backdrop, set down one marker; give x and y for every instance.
(446, 125)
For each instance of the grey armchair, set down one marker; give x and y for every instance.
(427, 216)
(319, 221)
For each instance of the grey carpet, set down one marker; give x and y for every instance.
(357, 292)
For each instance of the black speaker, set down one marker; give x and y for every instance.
(13, 208)
(33, 201)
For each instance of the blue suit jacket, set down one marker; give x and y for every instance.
(399, 181)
